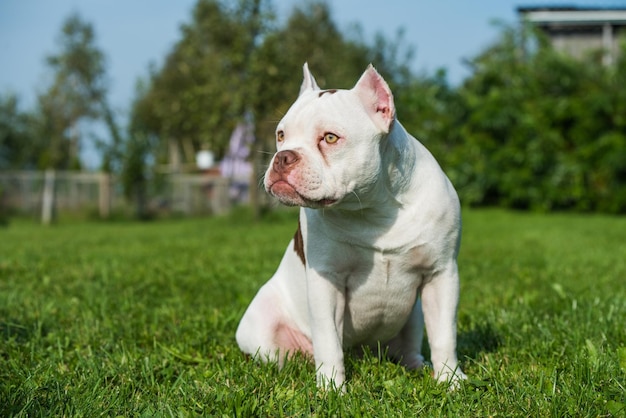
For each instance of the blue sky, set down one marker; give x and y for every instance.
(134, 33)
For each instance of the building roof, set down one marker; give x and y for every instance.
(572, 15)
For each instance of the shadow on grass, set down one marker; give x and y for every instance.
(480, 339)
(471, 344)
(14, 331)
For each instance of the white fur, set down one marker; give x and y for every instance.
(380, 226)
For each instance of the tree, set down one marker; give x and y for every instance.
(198, 96)
(202, 91)
(77, 93)
(139, 145)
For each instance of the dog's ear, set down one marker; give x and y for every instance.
(376, 95)
(309, 82)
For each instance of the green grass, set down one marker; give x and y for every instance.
(128, 319)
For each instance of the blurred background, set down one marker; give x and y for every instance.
(153, 109)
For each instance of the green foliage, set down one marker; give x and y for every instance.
(20, 146)
(128, 319)
(540, 130)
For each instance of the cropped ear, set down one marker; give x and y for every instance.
(377, 98)
(309, 82)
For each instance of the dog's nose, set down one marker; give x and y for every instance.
(284, 160)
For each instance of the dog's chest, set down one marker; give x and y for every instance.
(380, 293)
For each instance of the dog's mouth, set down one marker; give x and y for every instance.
(290, 196)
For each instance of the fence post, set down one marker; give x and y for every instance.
(104, 195)
(47, 207)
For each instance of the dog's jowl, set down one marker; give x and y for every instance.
(374, 255)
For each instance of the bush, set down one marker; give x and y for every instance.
(530, 129)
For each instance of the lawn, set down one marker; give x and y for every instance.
(128, 319)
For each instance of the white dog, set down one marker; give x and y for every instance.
(379, 227)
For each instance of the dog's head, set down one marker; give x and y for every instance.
(329, 143)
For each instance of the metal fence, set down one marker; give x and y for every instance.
(39, 193)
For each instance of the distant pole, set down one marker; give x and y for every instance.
(104, 195)
(607, 44)
(47, 207)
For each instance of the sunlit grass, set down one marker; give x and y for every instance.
(139, 318)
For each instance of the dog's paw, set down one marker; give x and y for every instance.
(413, 362)
(451, 377)
(331, 379)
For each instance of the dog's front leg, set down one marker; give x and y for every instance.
(326, 312)
(440, 298)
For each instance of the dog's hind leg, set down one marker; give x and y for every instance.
(267, 333)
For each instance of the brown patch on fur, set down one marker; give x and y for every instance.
(298, 244)
(331, 91)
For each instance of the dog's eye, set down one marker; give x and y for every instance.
(330, 138)
(280, 136)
